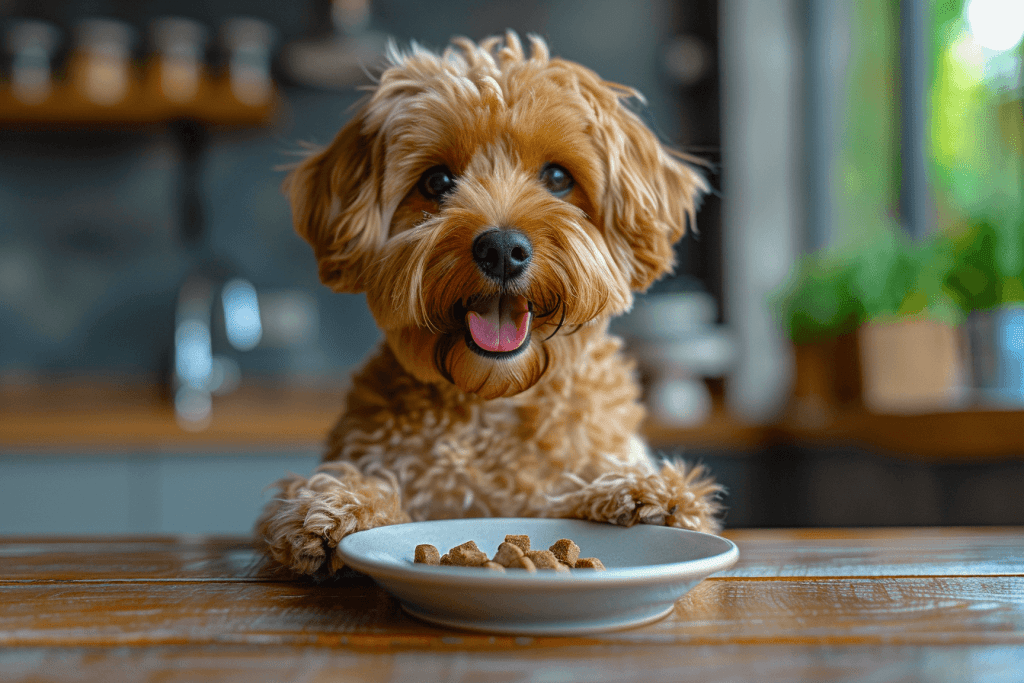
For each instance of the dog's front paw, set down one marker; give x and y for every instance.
(676, 496)
(302, 528)
(303, 532)
(307, 551)
(680, 507)
(652, 513)
(641, 512)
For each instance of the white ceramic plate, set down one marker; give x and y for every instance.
(649, 568)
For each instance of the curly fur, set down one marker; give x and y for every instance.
(431, 428)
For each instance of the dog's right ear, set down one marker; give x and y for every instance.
(337, 209)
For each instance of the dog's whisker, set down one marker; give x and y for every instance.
(560, 323)
(548, 312)
(547, 360)
(442, 352)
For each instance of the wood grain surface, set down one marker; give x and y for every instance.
(894, 604)
(567, 664)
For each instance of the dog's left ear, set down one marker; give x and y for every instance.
(336, 207)
(651, 195)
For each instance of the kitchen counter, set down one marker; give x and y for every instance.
(93, 415)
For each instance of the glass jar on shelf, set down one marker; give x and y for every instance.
(101, 61)
(30, 45)
(179, 46)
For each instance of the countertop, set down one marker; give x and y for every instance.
(91, 415)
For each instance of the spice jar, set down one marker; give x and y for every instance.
(101, 61)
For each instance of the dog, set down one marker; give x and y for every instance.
(497, 208)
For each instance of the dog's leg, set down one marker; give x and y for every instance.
(676, 495)
(304, 523)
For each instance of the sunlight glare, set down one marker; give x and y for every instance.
(996, 24)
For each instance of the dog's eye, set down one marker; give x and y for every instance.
(556, 179)
(436, 182)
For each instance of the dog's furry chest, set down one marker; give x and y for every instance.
(455, 455)
(479, 459)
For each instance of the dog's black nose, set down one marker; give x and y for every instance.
(502, 254)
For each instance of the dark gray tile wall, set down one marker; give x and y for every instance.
(90, 253)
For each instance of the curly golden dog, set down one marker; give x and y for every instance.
(497, 208)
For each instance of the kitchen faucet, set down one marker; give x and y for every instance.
(198, 372)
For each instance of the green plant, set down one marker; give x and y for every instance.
(820, 302)
(968, 268)
(887, 276)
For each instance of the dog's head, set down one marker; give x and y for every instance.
(490, 203)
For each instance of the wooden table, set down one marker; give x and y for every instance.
(879, 605)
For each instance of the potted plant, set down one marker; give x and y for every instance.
(984, 278)
(875, 325)
(822, 312)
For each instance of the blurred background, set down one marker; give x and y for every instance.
(842, 343)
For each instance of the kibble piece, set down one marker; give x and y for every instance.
(589, 563)
(523, 563)
(522, 541)
(566, 551)
(463, 556)
(507, 554)
(513, 553)
(427, 554)
(545, 559)
(469, 545)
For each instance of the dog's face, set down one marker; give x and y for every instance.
(490, 203)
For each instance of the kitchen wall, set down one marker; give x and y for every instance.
(91, 253)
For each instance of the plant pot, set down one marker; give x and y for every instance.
(828, 378)
(912, 365)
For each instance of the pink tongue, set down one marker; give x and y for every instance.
(502, 327)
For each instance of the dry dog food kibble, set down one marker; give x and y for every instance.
(427, 554)
(523, 562)
(545, 559)
(467, 557)
(522, 541)
(588, 563)
(508, 554)
(513, 553)
(566, 551)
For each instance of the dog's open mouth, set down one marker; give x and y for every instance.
(498, 326)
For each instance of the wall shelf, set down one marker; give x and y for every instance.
(143, 106)
(92, 416)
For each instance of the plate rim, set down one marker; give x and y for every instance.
(541, 628)
(633, 576)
